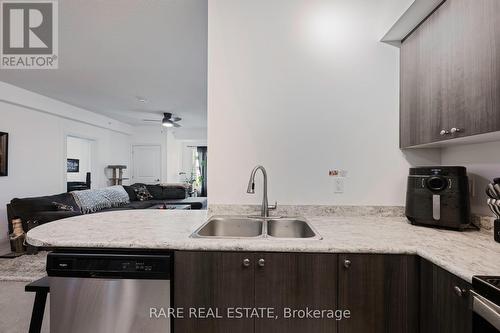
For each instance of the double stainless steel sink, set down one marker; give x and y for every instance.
(221, 227)
(254, 227)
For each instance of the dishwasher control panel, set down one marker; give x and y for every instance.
(123, 265)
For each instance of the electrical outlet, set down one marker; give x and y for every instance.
(339, 185)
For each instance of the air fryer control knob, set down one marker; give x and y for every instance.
(436, 183)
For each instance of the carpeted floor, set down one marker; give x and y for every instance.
(26, 268)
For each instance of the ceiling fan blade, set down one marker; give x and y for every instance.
(177, 125)
(156, 121)
(176, 119)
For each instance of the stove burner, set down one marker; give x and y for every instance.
(493, 281)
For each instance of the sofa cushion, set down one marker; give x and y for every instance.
(143, 204)
(156, 191)
(27, 206)
(143, 193)
(64, 207)
(174, 191)
(163, 192)
(48, 216)
(131, 193)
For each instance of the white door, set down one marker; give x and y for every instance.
(146, 164)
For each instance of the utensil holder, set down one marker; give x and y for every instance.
(496, 230)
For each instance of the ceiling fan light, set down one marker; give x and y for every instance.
(167, 123)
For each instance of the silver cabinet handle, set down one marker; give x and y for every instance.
(347, 263)
(444, 132)
(455, 130)
(459, 291)
(261, 262)
(246, 262)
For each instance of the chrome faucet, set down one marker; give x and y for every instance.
(264, 211)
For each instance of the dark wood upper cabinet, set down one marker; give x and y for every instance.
(296, 281)
(450, 74)
(381, 291)
(444, 301)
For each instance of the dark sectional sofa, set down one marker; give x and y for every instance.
(43, 210)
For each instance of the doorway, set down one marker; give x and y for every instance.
(194, 168)
(79, 159)
(146, 164)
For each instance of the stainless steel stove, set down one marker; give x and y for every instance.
(485, 301)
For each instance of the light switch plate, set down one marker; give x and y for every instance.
(339, 184)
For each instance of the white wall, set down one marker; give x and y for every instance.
(483, 164)
(14, 95)
(37, 147)
(174, 158)
(301, 87)
(80, 149)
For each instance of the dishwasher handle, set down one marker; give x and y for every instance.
(486, 309)
(110, 265)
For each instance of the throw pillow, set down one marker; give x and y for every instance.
(63, 207)
(142, 193)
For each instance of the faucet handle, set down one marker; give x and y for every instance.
(273, 207)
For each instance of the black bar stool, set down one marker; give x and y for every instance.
(41, 289)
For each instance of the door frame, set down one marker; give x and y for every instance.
(132, 168)
(93, 158)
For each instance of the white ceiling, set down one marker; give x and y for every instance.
(111, 51)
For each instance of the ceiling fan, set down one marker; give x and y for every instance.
(169, 120)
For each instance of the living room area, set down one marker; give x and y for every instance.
(120, 125)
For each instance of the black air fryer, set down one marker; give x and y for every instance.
(438, 197)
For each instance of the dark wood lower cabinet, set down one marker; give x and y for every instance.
(444, 301)
(280, 280)
(297, 282)
(381, 291)
(384, 293)
(213, 280)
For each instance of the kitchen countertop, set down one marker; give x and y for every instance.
(464, 253)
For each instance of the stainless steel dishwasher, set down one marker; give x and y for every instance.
(109, 292)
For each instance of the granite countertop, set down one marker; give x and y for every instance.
(465, 253)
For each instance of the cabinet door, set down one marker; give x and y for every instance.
(481, 22)
(215, 280)
(420, 87)
(432, 78)
(442, 308)
(296, 281)
(450, 73)
(381, 291)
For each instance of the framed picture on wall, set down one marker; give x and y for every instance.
(73, 165)
(4, 154)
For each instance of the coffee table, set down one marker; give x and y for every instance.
(169, 207)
